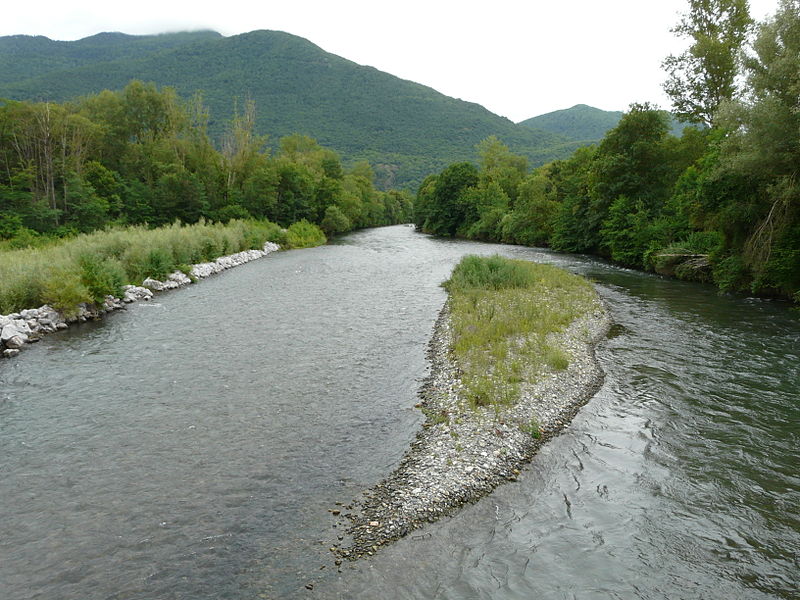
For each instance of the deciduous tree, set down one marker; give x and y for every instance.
(704, 75)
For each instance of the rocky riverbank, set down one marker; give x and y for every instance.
(461, 453)
(28, 326)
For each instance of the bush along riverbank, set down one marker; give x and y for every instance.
(93, 274)
(512, 360)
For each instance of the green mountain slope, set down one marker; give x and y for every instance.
(581, 122)
(407, 130)
(23, 57)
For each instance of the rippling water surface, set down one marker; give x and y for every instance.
(190, 448)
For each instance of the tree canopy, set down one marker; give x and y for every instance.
(143, 155)
(703, 76)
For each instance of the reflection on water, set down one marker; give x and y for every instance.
(191, 448)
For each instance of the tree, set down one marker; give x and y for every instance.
(423, 202)
(764, 147)
(260, 192)
(531, 222)
(627, 231)
(484, 208)
(498, 165)
(630, 161)
(85, 210)
(241, 147)
(335, 221)
(149, 113)
(398, 206)
(181, 196)
(573, 231)
(447, 209)
(703, 76)
(294, 193)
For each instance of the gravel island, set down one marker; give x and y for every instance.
(462, 453)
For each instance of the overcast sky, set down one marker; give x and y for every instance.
(517, 58)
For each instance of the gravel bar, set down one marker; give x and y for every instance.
(461, 454)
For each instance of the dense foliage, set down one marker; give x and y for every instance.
(703, 76)
(405, 130)
(142, 155)
(720, 204)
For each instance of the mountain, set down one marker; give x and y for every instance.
(406, 130)
(579, 123)
(583, 123)
(24, 57)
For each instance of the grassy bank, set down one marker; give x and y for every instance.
(503, 312)
(88, 267)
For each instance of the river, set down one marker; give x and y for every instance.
(192, 447)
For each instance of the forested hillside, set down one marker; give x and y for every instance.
(587, 124)
(24, 57)
(405, 130)
(578, 123)
(719, 204)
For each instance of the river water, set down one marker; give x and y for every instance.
(191, 447)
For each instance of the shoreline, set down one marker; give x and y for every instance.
(27, 326)
(461, 454)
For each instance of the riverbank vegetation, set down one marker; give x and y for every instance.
(144, 156)
(719, 204)
(120, 186)
(504, 313)
(88, 267)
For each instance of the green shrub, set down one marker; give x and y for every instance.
(10, 224)
(490, 273)
(19, 290)
(731, 274)
(230, 213)
(101, 277)
(304, 235)
(159, 263)
(24, 238)
(257, 233)
(278, 236)
(140, 262)
(556, 359)
(781, 272)
(64, 290)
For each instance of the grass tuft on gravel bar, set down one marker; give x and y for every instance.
(503, 312)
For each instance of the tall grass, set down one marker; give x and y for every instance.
(503, 312)
(88, 267)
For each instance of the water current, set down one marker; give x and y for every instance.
(190, 448)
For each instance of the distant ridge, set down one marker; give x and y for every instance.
(405, 129)
(579, 123)
(25, 57)
(583, 123)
